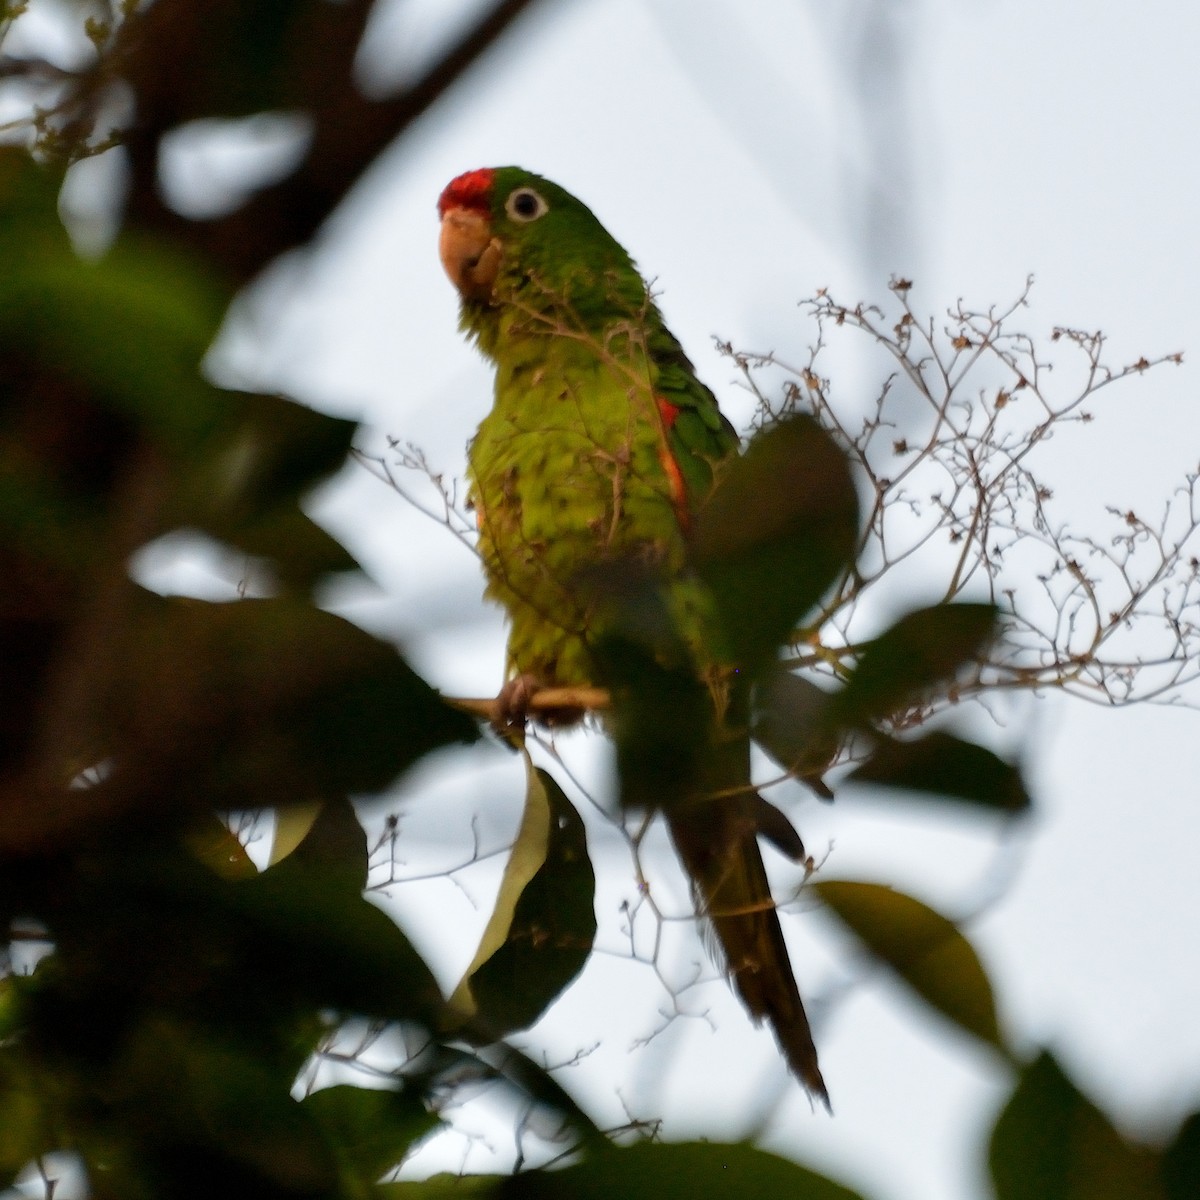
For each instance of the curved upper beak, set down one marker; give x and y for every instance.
(469, 253)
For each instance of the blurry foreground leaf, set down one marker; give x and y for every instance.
(187, 1092)
(324, 941)
(214, 844)
(945, 767)
(441, 1187)
(1052, 1143)
(246, 482)
(923, 650)
(793, 724)
(23, 1131)
(1181, 1162)
(661, 711)
(369, 1132)
(778, 530)
(131, 327)
(925, 949)
(292, 825)
(271, 701)
(676, 1171)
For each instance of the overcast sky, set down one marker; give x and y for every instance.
(745, 165)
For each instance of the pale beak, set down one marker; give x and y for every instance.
(470, 255)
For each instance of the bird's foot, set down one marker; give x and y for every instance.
(512, 707)
(515, 707)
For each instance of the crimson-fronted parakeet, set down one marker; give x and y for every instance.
(600, 447)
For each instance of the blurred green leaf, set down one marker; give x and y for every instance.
(945, 767)
(321, 941)
(292, 826)
(297, 549)
(24, 1130)
(441, 1187)
(793, 724)
(132, 327)
(774, 825)
(246, 485)
(661, 711)
(924, 948)
(328, 837)
(141, 926)
(184, 1091)
(675, 1171)
(541, 930)
(1181, 1162)
(369, 1132)
(275, 449)
(30, 228)
(263, 702)
(923, 650)
(214, 844)
(779, 528)
(1052, 1143)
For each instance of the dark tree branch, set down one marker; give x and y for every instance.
(170, 54)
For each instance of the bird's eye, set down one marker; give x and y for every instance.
(525, 205)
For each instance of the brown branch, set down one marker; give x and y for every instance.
(590, 699)
(152, 52)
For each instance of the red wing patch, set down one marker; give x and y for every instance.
(679, 498)
(668, 411)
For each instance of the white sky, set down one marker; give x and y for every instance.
(734, 159)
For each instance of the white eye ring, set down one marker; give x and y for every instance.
(525, 205)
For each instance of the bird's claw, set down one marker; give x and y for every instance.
(512, 707)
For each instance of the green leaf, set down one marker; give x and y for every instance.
(299, 551)
(214, 844)
(276, 450)
(780, 527)
(265, 702)
(676, 1171)
(441, 1187)
(260, 956)
(660, 724)
(945, 767)
(292, 826)
(326, 837)
(922, 651)
(661, 711)
(1181, 1162)
(541, 931)
(319, 940)
(1052, 1143)
(245, 484)
(183, 1092)
(133, 327)
(924, 948)
(24, 1129)
(369, 1131)
(29, 223)
(792, 723)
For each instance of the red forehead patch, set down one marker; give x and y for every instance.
(471, 191)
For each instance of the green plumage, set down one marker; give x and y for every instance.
(570, 466)
(600, 446)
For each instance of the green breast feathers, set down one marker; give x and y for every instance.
(601, 441)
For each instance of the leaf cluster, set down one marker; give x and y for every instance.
(162, 995)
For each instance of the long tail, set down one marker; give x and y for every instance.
(716, 836)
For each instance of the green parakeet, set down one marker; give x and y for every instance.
(600, 447)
